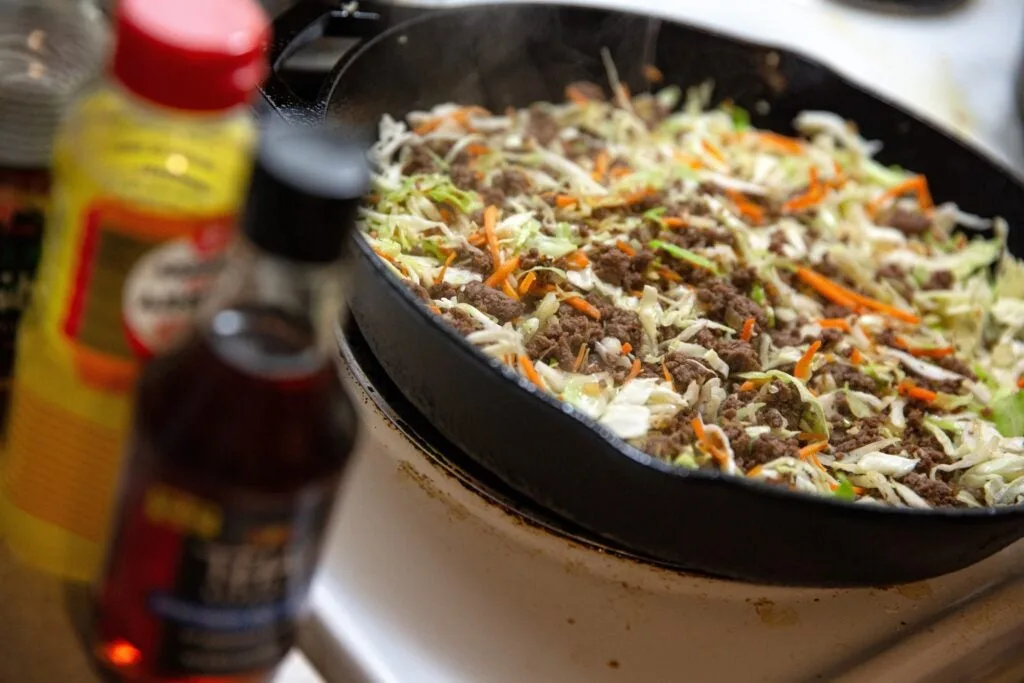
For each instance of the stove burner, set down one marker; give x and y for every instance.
(441, 452)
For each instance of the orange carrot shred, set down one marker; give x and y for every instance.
(847, 297)
(712, 151)
(698, 428)
(670, 275)
(746, 207)
(580, 357)
(526, 365)
(812, 449)
(925, 351)
(835, 324)
(755, 470)
(490, 224)
(1020, 382)
(502, 272)
(620, 171)
(575, 95)
(803, 366)
(444, 268)
(627, 348)
(584, 306)
(673, 222)
(637, 196)
(856, 357)
(748, 329)
(460, 116)
(748, 386)
(527, 282)
(476, 149)
(625, 248)
(434, 309)
(781, 142)
(813, 458)
(578, 260)
(601, 165)
(665, 373)
(917, 185)
(477, 239)
(653, 74)
(446, 215)
(634, 370)
(563, 201)
(509, 290)
(907, 388)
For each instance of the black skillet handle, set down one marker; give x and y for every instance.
(300, 25)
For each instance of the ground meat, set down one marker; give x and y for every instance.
(616, 268)
(491, 301)
(940, 279)
(771, 417)
(443, 290)
(945, 386)
(701, 238)
(420, 161)
(916, 435)
(830, 338)
(955, 364)
(935, 491)
(621, 324)
(531, 259)
(477, 260)
(831, 310)
(461, 321)
(850, 377)
(758, 451)
(669, 441)
(739, 355)
(743, 278)
(786, 400)
(910, 223)
(927, 458)
(787, 336)
(685, 370)
(777, 242)
(420, 291)
(725, 304)
(542, 126)
(562, 336)
(511, 182)
(862, 432)
(891, 271)
(463, 177)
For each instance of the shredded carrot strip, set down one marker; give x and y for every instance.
(584, 306)
(814, 194)
(688, 160)
(476, 149)
(673, 222)
(527, 282)
(526, 365)
(856, 489)
(575, 95)
(634, 370)
(601, 165)
(502, 272)
(748, 329)
(698, 428)
(446, 215)
(620, 171)
(705, 443)
(627, 348)
(746, 207)
(580, 356)
(477, 239)
(748, 386)
(847, 297)
(563, 200)
(907, 388)
(782, 142)
(459, 116)
(1020, 382)
(924, 351)
(665, 373)
(755, 470)
(578, 260)
(638, 196)
(803, 366)
(444, 268)
(917, 185)
(509, 290)
(856, 357)
(670, 275)
(813, 458)
(625, 248)
(812, 449)
(434, 309)
(835, 324)
(490, 223)
(653, 74)
(712, 151)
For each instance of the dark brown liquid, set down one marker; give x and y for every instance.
(249, 417)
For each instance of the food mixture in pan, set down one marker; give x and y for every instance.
(775, 307)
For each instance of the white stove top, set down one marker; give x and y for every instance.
(425, 580)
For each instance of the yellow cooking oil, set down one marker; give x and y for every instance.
(143, 208)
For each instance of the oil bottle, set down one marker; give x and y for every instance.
(240, 438)
(150, 169)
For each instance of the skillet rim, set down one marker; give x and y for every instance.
(617, 444)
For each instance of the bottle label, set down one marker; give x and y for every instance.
(138, 279)
(220, 585)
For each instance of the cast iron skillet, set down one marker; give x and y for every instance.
(515, 54)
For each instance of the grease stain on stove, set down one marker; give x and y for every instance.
(407, 470)
(771, 614)
(920, 590)
(613, 664)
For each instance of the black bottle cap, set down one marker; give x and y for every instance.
(307, 186)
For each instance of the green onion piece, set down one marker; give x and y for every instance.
(740, 117)
(757, 294)
(845, 490)
(449, 194)
(685, 255)
(655, 214)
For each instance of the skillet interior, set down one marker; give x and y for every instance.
(516, 54)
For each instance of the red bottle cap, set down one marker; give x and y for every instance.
(196, 55)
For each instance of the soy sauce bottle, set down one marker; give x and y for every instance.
(239, 441)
